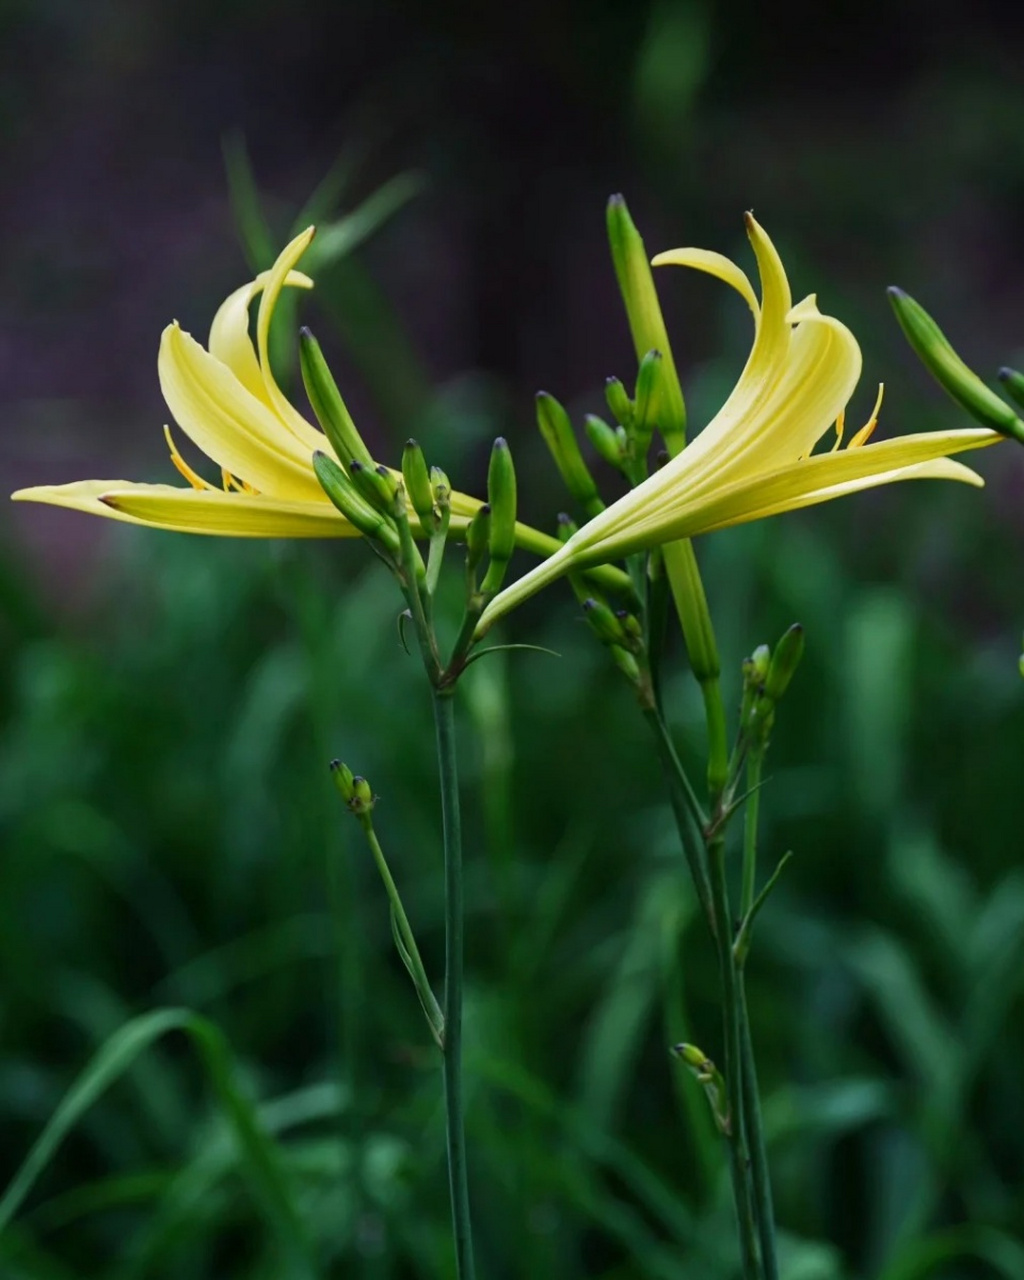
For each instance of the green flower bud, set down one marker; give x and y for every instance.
(631, 626)
(943, 363)
(695, 1058)
(1013, 384)
(605, 439)
(342, 492)
(417, 483)
(605, 624)
(327, 404)
(477, 537)
(567, 526)
(343, 779)
(626, 663)
(560, 439)
(618, 402)
(755, 668)
(647, 387)
(636, 283)
(784, 663)
(501, 497)
(377, 485)
(441, 488)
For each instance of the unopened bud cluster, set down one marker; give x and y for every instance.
(766, 677)
(354, 790)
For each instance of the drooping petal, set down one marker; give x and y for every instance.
(233, 428)
(229, 334)
(232, 513)
(715, 264)
(309, 436)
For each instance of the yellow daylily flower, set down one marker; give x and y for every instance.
(754, 459)
(225, 399)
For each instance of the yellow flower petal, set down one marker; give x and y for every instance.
(233, 428)
(715, 264)
(309, 436)
(229, 334)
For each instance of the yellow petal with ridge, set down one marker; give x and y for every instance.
(229, 333)
(230, 425)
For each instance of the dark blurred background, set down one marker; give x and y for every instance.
(169, 704)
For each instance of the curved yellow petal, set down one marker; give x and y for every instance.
(84, 495)
(715, 264)
(233, 428)
(229, 333)
(309, 436)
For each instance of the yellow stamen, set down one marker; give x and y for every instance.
(182, 467)
(229, 481)
(840, 424)
(864, 434)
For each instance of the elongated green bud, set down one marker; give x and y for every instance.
(343, 493)
(440, 488)
(567, 526)
(619, 402)
(560, 439)
(376, 485)
(646, 324)
(417, 483)
(942, 362)
(501, 498)
(477, 537)
(784, 663)
(607, 441)
(648, 381)
(327, 404)
(1013, 384)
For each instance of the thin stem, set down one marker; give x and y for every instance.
(751, 1095)
(750, 815)
(444, 719)
(755, 1134)
(739, 1158)
(689, 816)
(718, 738)
(404, 936)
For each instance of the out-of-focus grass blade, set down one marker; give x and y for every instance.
(601, 1147)
(254, 231)
(338, 239)
(922, 1258)
(115, 1057)
(828, 1110)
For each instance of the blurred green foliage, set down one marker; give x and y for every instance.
(172, 840)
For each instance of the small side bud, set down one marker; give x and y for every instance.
(647, 397)
(607, 442)
(784, 663)
(755, 668)
(942, 362)
(440, 488)
(354, 790)
(567, 526)
(325, 399)
(618, 402)
(377, 486)
(605, 624)
(417, 483)
(343, 493)
(501, 498)
(477, 537)
(1013, 384)
(556, 429)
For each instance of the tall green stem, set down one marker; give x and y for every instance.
(751, 1095)
(444, 719)
(731, 1021)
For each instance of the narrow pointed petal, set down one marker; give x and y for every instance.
(310, 438)
(715, 264)
(209, 511)
(229, 334)
(233, 428)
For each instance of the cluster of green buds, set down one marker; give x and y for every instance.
(391, 508)
(766, 677)
(954, 376)
(710, 1079)
(354, 790)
